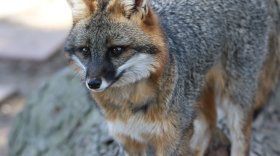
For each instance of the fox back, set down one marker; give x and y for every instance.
(157, 68)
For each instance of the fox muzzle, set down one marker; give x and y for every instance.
(94, 83)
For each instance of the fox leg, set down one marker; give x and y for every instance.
(239, 122)
(203, 132)
(131, 146)
(205, 122)
(237, 102)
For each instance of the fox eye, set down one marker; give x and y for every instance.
(86, 51)
(116, 51)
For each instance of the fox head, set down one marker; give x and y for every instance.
(115, 42)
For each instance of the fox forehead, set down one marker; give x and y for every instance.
(102, 32)
(111, 23)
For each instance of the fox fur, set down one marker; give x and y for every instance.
(178, 58)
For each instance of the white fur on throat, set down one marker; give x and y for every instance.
(137, 128)
(135, 69)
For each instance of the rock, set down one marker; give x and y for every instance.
(61, 120)
(6, 92)
(31, 44)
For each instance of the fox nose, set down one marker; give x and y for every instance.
(94, 83)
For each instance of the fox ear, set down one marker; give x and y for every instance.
(81, 8)
(135, 9)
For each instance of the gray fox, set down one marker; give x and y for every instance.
(157, 68)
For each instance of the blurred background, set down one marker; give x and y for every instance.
(32, 34)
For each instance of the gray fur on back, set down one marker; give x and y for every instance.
(200, 32)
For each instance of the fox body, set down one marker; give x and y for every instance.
(157, 68)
